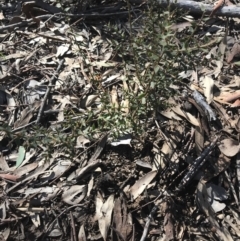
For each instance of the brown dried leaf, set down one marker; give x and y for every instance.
(229, 96)
(235, 104)
(11, 177)
(168, 222)
(189, 117)
(217, 5)
(141, 184)
(234, 52)
(121, 219)
(199, 139)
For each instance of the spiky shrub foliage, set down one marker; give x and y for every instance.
(152, 57)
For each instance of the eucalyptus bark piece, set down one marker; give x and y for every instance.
(200, 8)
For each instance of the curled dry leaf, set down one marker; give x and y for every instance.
(71, 195)
(229, 147)
(141, 184)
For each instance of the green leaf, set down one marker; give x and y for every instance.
(21, 155)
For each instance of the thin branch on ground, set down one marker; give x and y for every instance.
(48, 91)
(150, 217)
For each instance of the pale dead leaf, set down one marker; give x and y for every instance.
(208, 84)
(71, 195)
(237, 80)
(5, 232)
(87, 101)
(202, 201)
(61, 50)
(106, 216)
(234, 52)
(1, 16)
(81, 234)
(114, 97)
(35, 218)
(141, 184)
(81, 142)
(229, 96)
(229, 147)
(171, 115)
(144, 164)
(189, 117)
(216, 194)
(218, 69)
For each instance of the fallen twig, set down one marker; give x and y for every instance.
(48, 91)
(150, 216)
(197, 164)
(199, 7)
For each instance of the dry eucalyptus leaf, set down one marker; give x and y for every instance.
(144, 164)
(81, 234)
(141, 184)
(229, 147)
(189, 117)
(216, 195)
(35, 218)
(5, 233)
(203, 203)
(234, 52)
(105, 215)
(208, 84)
(75, 194)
